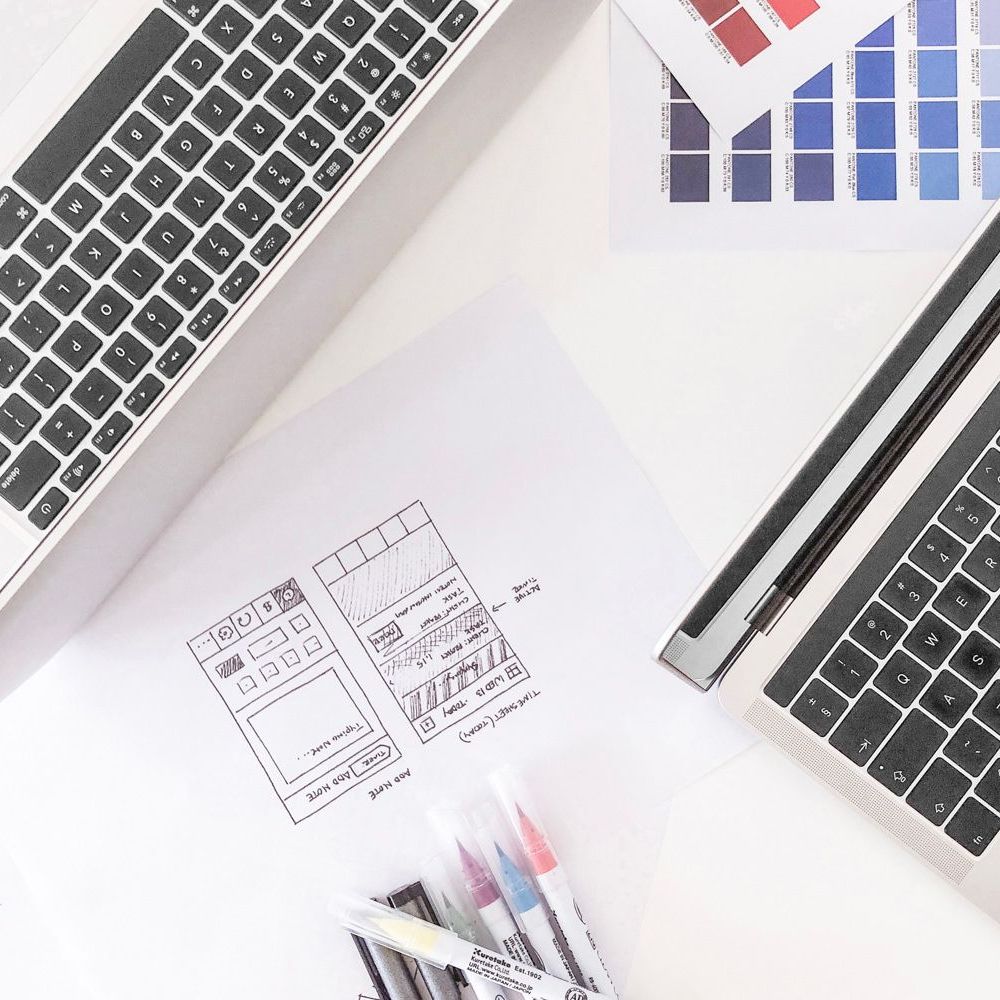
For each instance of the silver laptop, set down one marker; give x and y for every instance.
(856, 622)
(164, 172)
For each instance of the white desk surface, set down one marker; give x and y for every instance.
(717, 370)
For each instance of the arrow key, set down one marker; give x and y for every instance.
(938, 792)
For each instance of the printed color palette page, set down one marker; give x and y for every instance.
(449, 565)
(737, 57)
(896, 145)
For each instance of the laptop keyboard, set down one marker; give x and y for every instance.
(900, 671)
(140, 223)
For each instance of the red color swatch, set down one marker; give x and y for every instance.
(794, 12)
(712, 10)
(742, 36)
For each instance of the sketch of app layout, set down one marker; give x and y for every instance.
(420, 621)
(295, 700)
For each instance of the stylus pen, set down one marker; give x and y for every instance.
(440, 947)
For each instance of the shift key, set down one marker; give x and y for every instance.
(26, 475)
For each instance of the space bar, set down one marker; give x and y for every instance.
(100, 106)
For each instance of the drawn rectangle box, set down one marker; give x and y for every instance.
(298, 706)
(432, 640)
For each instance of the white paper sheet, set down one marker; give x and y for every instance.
(894, 146)
(737, 58)
(450, 564)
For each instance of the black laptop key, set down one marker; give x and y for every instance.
(75, 346)
(977, 660)
(370, 68)
(937, 553)
(931, 640)
(16, 214)
(974, 826)
(125, 76)
(34, 326)
(167, 100)
(46, 243)
(302, 206)
(279, 176)
(167, 237)
(65, 290)
(46, 382)
(289, 94)
(186, 146)
(938, 792)
(277, 39)
(426, 57)
(257, 7)
(228, 165)
(972, 748)
(95, 253)
(199, 201)
(906, 754)
(247, 75)
(395, 95)
(309, 140)
(259, 130)
(399, 32)
(83, 466)
(156, 321)
(12, 362)
(107, 171)
(318, 58)
(188, 285)
(907, 591)
(198, 64)
(107, 310)
(819, 707)
(948, 698)
(112, 433)
(17, 417)
(76, 206)
(865, 728)
(156, 182)
(239, 282)
(967, 514)
(270, 245)
(988, 709)
(95, 393)
(349, 22)
(227, 28)
(176, 356)
(17, 278)
(458, 20)
(334, 170)
(145, 393)
(986, 475)
(65, 430)
(429, 9)
(961, 601)
(379, 5)
(137, 135)
(126, 218)
(48, 508)
(21, 480)
(126, 357)
(990, 622)
(307, 12)
(137, 274)
(340, 104)
(218, 249)
(210, 315)
(983, 562)
(878, 630)
(217, 110)
(988, 788)
(248, 212)
(193, 13)
(364, 133)
(902, 679)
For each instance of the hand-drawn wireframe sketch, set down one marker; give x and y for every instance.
(421, 622)
(295, 700)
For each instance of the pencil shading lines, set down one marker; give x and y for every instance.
(229, 666)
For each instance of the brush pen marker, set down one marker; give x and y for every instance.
(456, 922)
(413, 900)
(426, 942)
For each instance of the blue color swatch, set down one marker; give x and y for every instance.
(876, 125)
(936, 22)
(937, 124)
(937, 73)
(991, 124)
(751, 177)
(939, 176)
(991, 175)
(883, 37)
(876, 176)
(875, 74)
(813, 126)
(757, 135)
(814, 176)
(821, 85)
(989, 68)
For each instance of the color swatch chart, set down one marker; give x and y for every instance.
(901, 135)
(741, 36)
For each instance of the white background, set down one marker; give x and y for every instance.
(716, 369)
